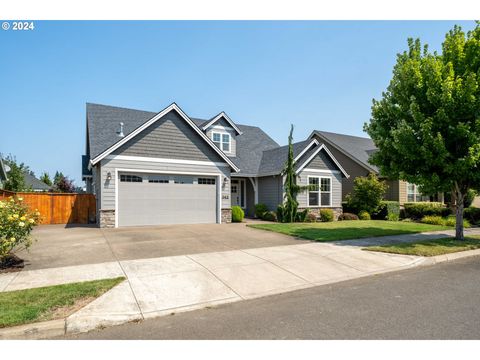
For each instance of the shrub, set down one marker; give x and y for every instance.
(326, 215)
(348, 216)
(237, 214)
(452, 221)
(388, 210)
(260, 209)
(311, 217)
(280, 212)
(420, 209)
(302, 215)
(367, 193)
(469, 197)
(16, 223)
(270, 216)
(433, 220)
(472, 214)
(364, 215)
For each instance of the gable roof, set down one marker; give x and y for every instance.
(216, 118)
(34, 183)
(357, 148)
(130, 134)
(314, 153)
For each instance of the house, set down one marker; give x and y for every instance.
(353, 152)
(3, 173)
(149, 168)
(34, 184)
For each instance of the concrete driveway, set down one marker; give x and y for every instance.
(60, 246)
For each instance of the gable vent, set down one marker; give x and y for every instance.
(120, 132)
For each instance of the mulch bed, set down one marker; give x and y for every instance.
(11, 263)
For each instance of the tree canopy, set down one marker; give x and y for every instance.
(426, 126)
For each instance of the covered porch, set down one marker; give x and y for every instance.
(244, 193)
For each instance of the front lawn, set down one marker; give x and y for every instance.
(49, 303)
(344, 230)
(430, 247)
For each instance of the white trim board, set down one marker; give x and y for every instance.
(219, 186)
(165, 160)
(319, 177)
(315, 153)
(313, 142)
(152, 121)
(218, 117)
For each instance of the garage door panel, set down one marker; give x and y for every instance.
(166, 203)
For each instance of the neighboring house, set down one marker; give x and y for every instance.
(150, 168)
(353, 153)
(3, 173)
(34, 184)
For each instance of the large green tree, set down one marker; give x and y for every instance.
(427, 124)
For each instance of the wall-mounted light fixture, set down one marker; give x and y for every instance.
(109, 175)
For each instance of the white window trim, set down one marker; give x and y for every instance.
(415, 193)
(221, 141)
(320, 191)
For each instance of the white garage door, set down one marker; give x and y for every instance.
(156, 199)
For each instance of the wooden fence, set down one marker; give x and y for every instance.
(59, 208)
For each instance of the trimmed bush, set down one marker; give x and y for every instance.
(326, 215)
(311, 217)
(433, 220)
(388, 210)
(270, 216)
(419, 210)
(260, 209)
(348, 216)
(472, 214)
(237, 214)
(364, 215)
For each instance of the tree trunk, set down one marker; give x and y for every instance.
(459, 214)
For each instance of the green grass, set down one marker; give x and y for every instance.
(41, 304)
(344, 230)
(430, 247)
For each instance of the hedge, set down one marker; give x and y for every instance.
(420, 209)
(389, 210)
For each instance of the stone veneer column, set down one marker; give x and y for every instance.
(107, 218)
(337, 211)
(226, 216)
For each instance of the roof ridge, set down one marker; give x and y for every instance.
(334, 133)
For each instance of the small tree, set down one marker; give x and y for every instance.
(58, 176)
(45, 178)
(64, 184)
(367, 194)
(426, 126)
(15, 176)
(290, 206)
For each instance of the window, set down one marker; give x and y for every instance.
(320, 192)
(222, 141)
(130, 178)
(206, 181)
(155, 179)
(414, 195)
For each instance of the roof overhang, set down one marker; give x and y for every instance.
(315, 153)
(150, 122)
(218, 117)
(362, 164)
(314, 142)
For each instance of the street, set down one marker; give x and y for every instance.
(434, 302)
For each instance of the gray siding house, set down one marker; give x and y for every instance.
(150, 168)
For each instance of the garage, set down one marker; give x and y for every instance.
(160, 199)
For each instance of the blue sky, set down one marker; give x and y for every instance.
(316, 75)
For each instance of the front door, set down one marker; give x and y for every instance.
(237, 193)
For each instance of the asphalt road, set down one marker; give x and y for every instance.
(436, 302)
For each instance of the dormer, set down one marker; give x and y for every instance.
(223, 132)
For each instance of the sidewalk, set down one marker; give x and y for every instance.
(166, 285)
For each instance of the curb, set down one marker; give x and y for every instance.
(57, 328)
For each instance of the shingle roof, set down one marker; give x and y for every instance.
(103, 123)
(32, 182)
(358, 148)
(273, 160)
